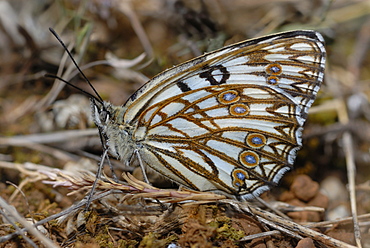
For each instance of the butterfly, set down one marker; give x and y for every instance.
(228, 121)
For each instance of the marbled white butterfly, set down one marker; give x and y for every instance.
(229, 121)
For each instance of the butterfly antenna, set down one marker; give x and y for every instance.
(74, 86)
(98, 98)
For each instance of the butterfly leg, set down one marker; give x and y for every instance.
(115, 178)
(142, 167)
(98, 175)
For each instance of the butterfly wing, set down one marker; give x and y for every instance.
(230, 120)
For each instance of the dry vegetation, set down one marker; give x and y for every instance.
(47, 134)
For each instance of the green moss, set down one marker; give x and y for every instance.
(152, 240)
(127, 243)
(224, 229)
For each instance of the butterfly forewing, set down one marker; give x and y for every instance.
(230, 120)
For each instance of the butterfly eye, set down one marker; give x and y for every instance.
(104, 116)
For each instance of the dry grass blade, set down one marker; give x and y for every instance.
(296, 228)
(287, 226)
(57, 153)
(133, 186)
(361, 218)
(351, 168)
(126, 8)
(45, 138)
(58, 86)
(260, 235)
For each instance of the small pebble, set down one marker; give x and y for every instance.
(334, 189)
(338, 212)
(305, 243)
(304, 188)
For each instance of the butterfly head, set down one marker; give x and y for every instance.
(114, 132)
(101, 113)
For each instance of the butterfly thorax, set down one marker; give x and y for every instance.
(116, 133)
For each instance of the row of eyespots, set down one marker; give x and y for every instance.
(273, 70)
(230, 97)
(249, 159)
